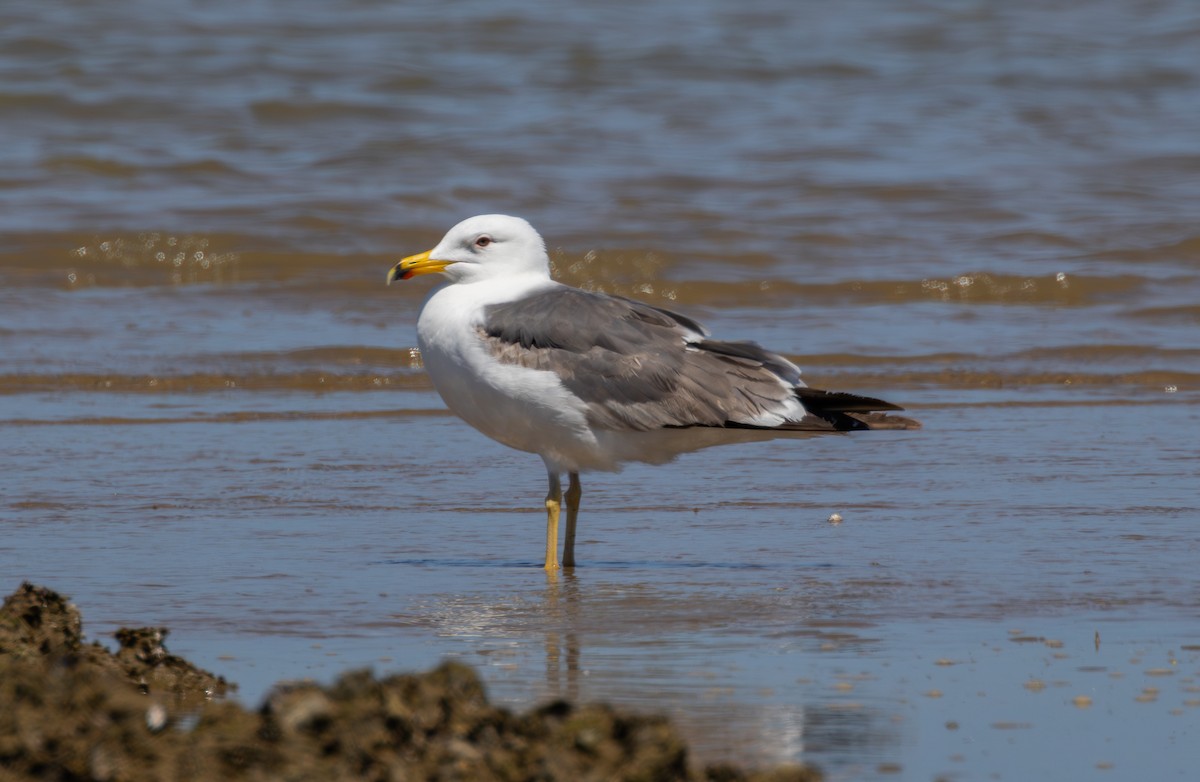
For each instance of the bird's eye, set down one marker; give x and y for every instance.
(483, 241)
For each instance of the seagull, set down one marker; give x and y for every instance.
(590, 381)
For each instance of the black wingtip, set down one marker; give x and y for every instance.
(816, 400)
(849, 412)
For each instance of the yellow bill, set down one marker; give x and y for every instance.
(413, 265)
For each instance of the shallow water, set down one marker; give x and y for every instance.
(213, 419)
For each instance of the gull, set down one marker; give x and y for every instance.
(590, 381)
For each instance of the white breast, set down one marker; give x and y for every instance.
(526, 409)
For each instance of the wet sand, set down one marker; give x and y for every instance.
(305, 542)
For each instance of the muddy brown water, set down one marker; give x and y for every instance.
(212, 417)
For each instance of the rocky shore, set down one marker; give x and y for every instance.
(75, 711)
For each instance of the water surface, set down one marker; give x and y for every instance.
(213, 417)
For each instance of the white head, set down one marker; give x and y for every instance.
(480, 248)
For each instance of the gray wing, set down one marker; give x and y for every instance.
(639, 367)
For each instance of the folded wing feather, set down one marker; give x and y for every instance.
(639, 367)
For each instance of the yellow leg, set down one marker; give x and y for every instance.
(574, 492)
(553, 503)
